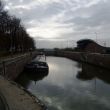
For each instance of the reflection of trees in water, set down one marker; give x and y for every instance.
(89, 72)
(25, 78)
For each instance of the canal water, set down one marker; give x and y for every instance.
(70, 86)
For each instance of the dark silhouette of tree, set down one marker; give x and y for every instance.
(13, 36)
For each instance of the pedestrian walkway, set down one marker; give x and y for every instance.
(17, 98)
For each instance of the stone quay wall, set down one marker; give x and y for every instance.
(97, 59)
(10, 68)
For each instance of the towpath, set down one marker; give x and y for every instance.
(16, 97)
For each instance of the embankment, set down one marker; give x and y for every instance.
(15, 97)
(97, 59)
(10, 68)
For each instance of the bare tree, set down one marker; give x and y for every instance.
(13, 35)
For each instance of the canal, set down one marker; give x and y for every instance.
(70, 86)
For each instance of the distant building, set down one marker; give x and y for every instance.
(88, 45)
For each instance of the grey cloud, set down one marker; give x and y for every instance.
(100, 17)
(39, 12)
(97, 15)
(74, 15)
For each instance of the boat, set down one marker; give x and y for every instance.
(37, 66)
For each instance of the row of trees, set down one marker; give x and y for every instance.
(13, 36)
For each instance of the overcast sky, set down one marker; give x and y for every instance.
(59, 23)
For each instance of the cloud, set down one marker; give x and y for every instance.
(99, 15)
(63, 19)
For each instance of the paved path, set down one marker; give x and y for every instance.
(18, 98)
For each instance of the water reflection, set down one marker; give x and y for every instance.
(90, 72)
(61, 90)
(26, 77)
(38, 76)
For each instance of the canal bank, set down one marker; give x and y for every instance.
(12, 95)
(15, 97)
(97, 59)
(10, 68)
